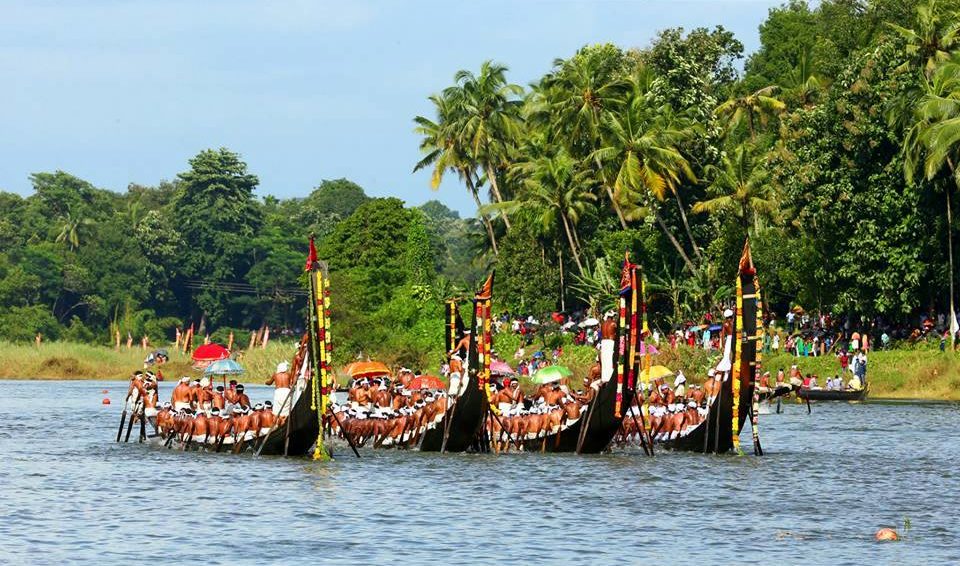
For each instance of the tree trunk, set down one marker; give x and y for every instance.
(616, 207)
(563, 293)
(950, 256)
(486, 221)
(573, 245)
(492, 175)
(686, 226)
(676, 244)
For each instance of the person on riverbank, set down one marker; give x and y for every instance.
(282, 382)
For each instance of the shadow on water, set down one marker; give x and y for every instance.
(828, 481)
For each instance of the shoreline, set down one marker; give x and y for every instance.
(893, 375)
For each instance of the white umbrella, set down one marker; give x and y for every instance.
(590, 322)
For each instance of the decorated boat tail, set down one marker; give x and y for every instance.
(311, 394)
(736, 397)
(591, 429)
(461, 427)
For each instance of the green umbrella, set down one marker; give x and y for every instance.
(550, 374)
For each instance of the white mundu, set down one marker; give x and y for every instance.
(606, 360)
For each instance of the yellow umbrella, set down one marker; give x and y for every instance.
(655, 372)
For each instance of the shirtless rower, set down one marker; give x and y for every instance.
(283, 382)
(182, 395)
(230, 395)
(509, 397)
(242, 398)
(764, 385)
(267, 418)
(217, 399)
(199, 430)
(150, 399)
(204, 396)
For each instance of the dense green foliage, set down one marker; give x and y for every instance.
(834, 151)
(80, 263)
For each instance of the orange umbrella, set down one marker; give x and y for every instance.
(426, 382)
(366, 369)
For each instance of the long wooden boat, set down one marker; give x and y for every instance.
(300, 432)
(719, 431)
(832, 394)
(462, 426)
(601, 419)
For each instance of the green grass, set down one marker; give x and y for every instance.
(66, 360)
(910, 373)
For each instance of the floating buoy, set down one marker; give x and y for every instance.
(886, 534)
(106, 401)
(105, 391)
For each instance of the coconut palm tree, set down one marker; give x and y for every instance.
(933, 38)
(755, 108)
(555, 192)
(443, 153)
(932, 144)
(641, 146)
(487, 119)
(740, 187)
(70, 230)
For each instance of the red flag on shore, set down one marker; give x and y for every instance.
(311, 257)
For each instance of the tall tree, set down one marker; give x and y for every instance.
(556, 191)
(445, 152)
(933, 144)
(740, 186)
(642, 147)
(216, 214)
(754, 108)
(487, 119)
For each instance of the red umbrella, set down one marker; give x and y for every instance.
(426, 382)
(207, 354)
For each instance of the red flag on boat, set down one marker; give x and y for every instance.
(311, 257)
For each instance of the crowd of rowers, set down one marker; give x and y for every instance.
(199, 414)
(388, 412)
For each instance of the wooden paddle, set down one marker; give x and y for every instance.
(130, 423)
(123, 417)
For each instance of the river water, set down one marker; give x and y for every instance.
(828, 481)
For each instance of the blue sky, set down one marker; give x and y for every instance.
(127, 91)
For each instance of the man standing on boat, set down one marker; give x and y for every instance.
(457, 384)
(608, 337)
(281, 395)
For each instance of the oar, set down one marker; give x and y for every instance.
(273, 427)
(123, 417)
(641, 431)
(448, 421)
(143, 422)
(809, 410)
(586, 424)
(130, 423)
(499, 422)
(345, 434)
